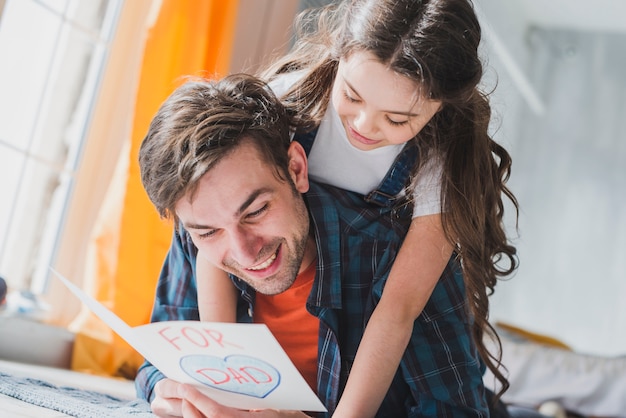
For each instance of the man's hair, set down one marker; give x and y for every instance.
(203, 121)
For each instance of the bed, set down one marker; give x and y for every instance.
(542, 369)
(45, 392)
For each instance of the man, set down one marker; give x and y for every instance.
(218, 161)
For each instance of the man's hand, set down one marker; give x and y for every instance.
(197, 405)
(167, 402)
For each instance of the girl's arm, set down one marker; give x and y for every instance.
(217, 295)
(414, 274)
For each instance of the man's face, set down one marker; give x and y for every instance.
(248, 222)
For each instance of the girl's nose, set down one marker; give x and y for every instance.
(363, 123)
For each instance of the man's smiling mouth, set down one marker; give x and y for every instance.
(264, 264)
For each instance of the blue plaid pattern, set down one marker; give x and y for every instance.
(440, 374)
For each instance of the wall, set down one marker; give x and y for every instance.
(569, 175)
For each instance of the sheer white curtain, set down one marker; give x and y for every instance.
(569, 174)
(101, 176)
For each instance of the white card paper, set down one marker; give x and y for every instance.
(237, 365)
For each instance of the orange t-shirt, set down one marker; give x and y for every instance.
(293, 326)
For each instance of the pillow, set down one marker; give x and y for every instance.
(543, 369)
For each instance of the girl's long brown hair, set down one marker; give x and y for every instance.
(435, 43)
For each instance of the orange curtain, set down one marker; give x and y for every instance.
(189, 37)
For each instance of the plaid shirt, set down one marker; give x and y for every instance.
(440, 374)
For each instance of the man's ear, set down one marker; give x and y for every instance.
(298, 166)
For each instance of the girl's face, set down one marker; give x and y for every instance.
(377, 106)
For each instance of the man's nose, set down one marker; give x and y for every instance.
(245, 246)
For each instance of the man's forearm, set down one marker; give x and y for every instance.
(147, 377)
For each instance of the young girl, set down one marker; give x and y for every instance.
(377, 80)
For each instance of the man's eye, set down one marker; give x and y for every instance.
(257, 212)
(207, 234)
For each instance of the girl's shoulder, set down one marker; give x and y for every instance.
(283, 82)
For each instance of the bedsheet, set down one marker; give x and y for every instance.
(583, 384)
(28, 390)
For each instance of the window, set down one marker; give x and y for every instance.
(53, 53)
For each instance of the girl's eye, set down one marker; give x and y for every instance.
(396, 123)
(349, 98)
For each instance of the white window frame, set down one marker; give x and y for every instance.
(42, 161)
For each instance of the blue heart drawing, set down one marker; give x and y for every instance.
(236, 373)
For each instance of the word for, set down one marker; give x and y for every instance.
(197, 337)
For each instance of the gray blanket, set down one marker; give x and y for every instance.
(71, 401)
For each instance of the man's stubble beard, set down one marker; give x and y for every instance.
(284, 278)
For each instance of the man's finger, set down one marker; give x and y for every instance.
(190, 411)
(205, 406)
(167, 408)
(167, 388)
(167, 403)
